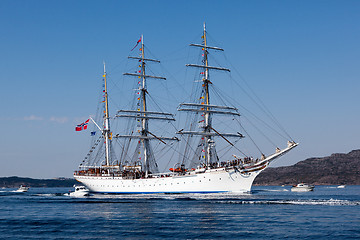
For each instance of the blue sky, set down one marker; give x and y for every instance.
(301, 57)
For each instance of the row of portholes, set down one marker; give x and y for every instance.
(151, 185)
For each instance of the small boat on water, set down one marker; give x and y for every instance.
(80, 191)
(22, 188)
(302, 187)
(341, 186)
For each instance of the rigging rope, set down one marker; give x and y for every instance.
(262, 105)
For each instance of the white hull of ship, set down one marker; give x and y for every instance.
(211, 181)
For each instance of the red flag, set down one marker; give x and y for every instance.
(82, 126)
(137, 43)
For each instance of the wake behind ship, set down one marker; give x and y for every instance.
(201, 169)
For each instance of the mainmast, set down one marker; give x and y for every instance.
(106, 131)
(142, 114)
(207, 120)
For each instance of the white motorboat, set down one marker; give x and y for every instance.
(302, 187)
(22, 188)
(341, 186)
(79, 191)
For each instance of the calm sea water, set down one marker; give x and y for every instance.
(266, 213)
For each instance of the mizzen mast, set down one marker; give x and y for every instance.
(106, 131)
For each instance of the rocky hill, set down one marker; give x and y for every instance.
(15, 182)
(339, 168)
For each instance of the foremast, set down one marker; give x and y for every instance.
(144, 120)
(205, 107)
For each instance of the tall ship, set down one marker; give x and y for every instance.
(130, 165)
